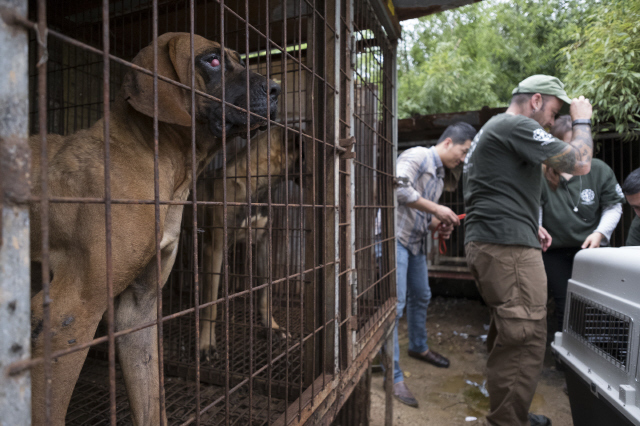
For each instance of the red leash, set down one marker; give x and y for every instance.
(442, 243)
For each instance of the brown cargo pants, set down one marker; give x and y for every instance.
(513, 283)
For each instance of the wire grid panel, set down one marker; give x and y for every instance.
(372, 118)
(604, 330)
(259, 223)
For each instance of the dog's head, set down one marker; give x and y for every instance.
(174, 103)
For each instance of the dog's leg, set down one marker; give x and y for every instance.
(212, 263)
(74, 319)
(262, 270)
(138, 351)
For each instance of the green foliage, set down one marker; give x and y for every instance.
(604, 65)
(474, 56)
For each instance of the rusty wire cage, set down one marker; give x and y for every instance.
(267, 282)
(374, 172)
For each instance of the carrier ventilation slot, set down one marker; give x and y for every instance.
(601, 328)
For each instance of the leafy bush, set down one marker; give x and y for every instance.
(603, 64)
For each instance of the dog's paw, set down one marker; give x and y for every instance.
(209, 355)
(280, 334)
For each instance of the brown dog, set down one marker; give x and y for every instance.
(237, 222)
(77, 239)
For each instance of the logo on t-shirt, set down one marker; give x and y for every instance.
(587, 196)
(542, 136)
(468, 164)
(619, 191)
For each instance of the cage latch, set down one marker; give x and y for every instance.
(11, 17)
(347, 144)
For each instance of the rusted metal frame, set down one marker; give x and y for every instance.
(342, 386)
(225, 221)
(372, 286)
(194, 235)
(291, 413)
(364, 122)
(260, 34)
(353, 116)
(224, 397)
(312, 355)
(225, 248)
(304, 292)
(15, 163)
(167, 203)
(249, 252)
(107, 211)
(269, 221)
(331, 279)
(44, 205)
(375, 243)
(372, 322)
(285, 67)
(349, 273)
(20, 366)
(377, 171)
(361, 365)
(128, 64)
(392, 226)
(158, 230)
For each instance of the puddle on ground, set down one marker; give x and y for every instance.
(477, 404)
(456, 384)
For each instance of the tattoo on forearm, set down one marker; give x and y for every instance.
(578, 154)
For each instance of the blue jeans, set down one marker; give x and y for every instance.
(413, 292)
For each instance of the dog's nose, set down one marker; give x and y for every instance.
(272, 88)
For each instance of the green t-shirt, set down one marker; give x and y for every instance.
(502, 179)
(589, 193)
(633, 238)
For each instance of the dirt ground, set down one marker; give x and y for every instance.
(455, 327)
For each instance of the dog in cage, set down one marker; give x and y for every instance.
(78, 244)
(239, 217)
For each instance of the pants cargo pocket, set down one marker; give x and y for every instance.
(519, 328)
(496, 278)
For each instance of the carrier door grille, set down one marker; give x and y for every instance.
(601, 328)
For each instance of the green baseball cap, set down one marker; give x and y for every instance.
(545, 85)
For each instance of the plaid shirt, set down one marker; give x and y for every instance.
(423, 175)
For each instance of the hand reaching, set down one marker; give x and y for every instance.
(446, 215)
(593, 240)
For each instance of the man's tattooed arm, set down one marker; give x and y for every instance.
(576, 157)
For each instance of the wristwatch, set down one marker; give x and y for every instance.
(581, 121)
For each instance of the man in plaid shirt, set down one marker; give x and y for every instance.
(421, 172)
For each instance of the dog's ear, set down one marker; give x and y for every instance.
(173, 101)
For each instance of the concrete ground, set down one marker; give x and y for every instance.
(453, 396)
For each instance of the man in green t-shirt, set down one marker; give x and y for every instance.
(502, 181)
(631, 189)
